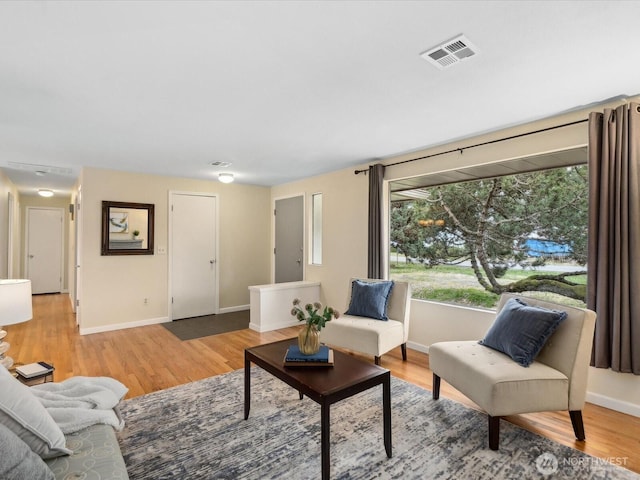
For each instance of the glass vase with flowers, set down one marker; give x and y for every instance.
(315, 316)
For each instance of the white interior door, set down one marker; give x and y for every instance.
(289, 241)
(45, 238)
(193, 255)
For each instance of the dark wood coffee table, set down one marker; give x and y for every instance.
(323, 385)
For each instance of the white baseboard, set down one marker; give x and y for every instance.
(613, 404)
(418, 346)
(272, 326)
(237, 308)
(122, 326)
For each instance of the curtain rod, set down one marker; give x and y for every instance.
(461, 149)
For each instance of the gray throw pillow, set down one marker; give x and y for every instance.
(369, 299)
(17, 461)
(521, 330)
(24, 415)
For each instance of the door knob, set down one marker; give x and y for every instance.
(30, 256)
(212, 262)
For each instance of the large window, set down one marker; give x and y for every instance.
(467, 242)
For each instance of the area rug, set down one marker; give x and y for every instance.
(197, 327)
(197, 431)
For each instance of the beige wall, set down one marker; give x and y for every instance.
(113, 288)
(345, 236)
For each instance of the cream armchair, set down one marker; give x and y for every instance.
(556, 380)
(372, 336)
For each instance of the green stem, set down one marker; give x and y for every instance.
(306, 336)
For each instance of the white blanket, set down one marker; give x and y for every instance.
(80, 402)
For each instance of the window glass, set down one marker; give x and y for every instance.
(316, 235)
(466, 243)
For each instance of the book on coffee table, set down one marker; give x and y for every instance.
(295, 358)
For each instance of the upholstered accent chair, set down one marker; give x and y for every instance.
(555, 380)
(370, 335)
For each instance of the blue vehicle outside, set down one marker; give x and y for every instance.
(538, 247)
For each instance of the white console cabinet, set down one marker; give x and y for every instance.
(270, 305)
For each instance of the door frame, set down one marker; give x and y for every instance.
(304, 233)
(26, 241)
(170, 247)
(77, 260)
(11, 220)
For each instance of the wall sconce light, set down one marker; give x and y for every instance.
(45, 192)
(225, 177)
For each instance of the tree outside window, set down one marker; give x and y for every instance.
(469, 242)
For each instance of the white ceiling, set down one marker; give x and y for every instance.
(285, 90)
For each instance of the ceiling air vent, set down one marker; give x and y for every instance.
(41, 169)
(220, 164)
(449, 53)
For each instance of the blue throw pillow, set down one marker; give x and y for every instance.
(369, 299)
(521, 330)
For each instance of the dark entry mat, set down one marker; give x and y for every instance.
(197, 327)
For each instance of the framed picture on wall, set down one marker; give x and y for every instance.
(127, 228)
(118, 222)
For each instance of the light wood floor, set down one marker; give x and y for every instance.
(147, 359)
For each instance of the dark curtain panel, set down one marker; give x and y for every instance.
(613, 283)
(376, 176)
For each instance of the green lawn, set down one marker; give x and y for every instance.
(458, 284)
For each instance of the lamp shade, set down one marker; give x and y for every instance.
(15, 301)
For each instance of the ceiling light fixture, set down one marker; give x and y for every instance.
(32, 167)
(225, 177)
(44, 192)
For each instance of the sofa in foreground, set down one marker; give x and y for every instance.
(34, 447)
(96, 454)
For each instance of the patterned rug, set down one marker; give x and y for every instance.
(197, 431)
